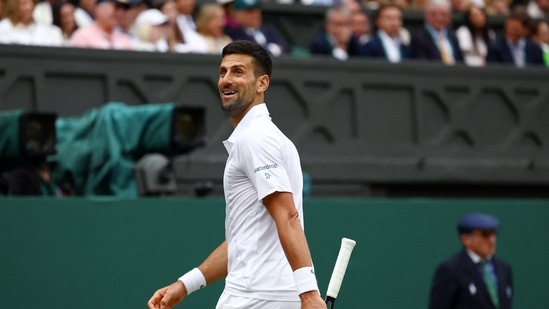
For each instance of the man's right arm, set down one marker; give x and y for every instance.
(213, 268)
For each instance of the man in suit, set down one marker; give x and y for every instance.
(387, 43)
(515, 48)
(436, 40)
(336, 39)
(473, 278)
(248, 16)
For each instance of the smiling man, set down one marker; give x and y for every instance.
(264, 259)
(474, 278)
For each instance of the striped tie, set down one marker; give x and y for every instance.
(490, 283)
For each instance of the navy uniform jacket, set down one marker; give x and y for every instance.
(375, 49)
(458, 284)
(499, 52)
(424, 47)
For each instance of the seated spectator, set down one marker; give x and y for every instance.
(101, 34)
(336, 39)
(18, 26)
(63, 17)
(210, 24)
(43, 12)
(539, 32)
(515, 48)
(126, 13)
(175, 36)
(361, 28)
(151, 30)
(192, 42)
(84, 13)
(387, 43)
(538, 9)
(474, 37)
(436, 41)
(230, 21)
(249, 17)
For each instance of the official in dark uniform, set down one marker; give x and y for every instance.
(473, 278)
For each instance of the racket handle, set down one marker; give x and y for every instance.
(330, 302)
(347, 246)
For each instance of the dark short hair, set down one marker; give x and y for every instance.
(262, 61)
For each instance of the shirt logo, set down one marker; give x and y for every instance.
(265, 167)
(267, 175)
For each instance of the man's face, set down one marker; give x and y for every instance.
(514, 30)
(249, 18)
(438, 17)
(481, 242)
(237, 83)
(390, 21)
(25, 8)
(360, 24)
(338, 26)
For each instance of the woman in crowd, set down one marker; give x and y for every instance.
(475, 36)
(19, 27)
(210, 23)
(63, 17)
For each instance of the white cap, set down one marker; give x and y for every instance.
(151, 17)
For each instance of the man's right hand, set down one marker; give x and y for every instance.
(167, 297)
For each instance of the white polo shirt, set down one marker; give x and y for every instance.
(262, 160)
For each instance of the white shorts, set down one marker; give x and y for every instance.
(227, 301)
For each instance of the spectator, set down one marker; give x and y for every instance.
(63, 17)
(361, 28)
(474, 278)
(436, 41)
(538, 9)
(475, 36)
(210, 24)
(230, 21)
(126, 13)
(151, 30)
(540, 34)
(515, 48)
(101, 34)
(84, 13)
(193, 43)
(336, 39)
(43, 12)
(248, 15)
(387, 43)
(19, 27)
(175, 36)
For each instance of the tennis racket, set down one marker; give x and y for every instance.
(347, 246)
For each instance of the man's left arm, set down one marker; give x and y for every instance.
(280, 206)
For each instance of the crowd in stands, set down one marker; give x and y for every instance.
(182, 26)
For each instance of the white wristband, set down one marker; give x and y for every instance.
(305, 280)
(193, 280)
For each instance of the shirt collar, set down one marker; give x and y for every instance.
(259, 110)
(475, 257)
(435, 32)
(520, 44)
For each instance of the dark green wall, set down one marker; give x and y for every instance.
(109, 253)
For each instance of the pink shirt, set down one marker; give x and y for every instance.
(95, 37)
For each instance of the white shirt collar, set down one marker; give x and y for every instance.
(256, 111)
(475, 257)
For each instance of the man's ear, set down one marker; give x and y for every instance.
(263, 83)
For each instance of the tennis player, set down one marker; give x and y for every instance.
(265, 258)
